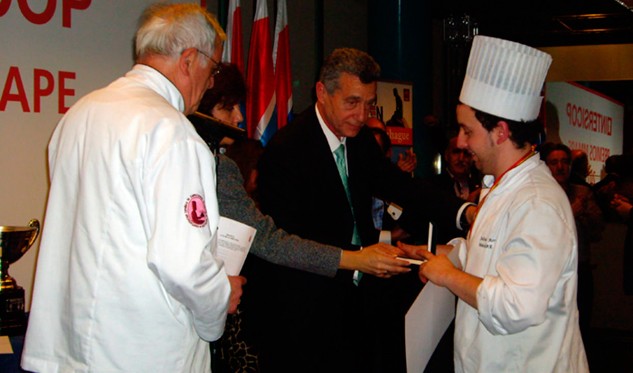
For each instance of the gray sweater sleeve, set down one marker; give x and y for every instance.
(271, 243)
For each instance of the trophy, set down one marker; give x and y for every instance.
(14, 242)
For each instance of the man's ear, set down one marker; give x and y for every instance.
(186, 59)
(502, 132)
(320, 92)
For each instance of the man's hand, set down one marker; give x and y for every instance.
(398, 234)
(236, 292)
(474, 195)
(471, 214)
(407, 161)
(434, 266)
(378, 260)
(440, 263)
(621, 205)
(416, 251)
(440, 270)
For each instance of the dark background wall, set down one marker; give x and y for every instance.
(408, 39)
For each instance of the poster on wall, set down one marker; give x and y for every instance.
(53, 53)
(584, 119)
(394, 107)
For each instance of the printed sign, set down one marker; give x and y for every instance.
(583, 119)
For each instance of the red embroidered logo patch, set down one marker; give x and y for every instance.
(196, 211)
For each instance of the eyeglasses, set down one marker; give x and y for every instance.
(216, 69)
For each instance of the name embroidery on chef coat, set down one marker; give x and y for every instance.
(486, 242)
(196, 211)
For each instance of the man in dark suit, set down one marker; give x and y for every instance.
(276, 246)
(235, 351)
(315, 324)
(459, 177)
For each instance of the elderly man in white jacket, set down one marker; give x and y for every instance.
(127, 280)
(517, 274)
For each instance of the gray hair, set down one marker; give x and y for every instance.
(351, 61)
(168, 29)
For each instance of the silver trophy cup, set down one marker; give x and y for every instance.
(14, 242)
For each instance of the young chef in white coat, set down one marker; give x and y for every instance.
(517, 273)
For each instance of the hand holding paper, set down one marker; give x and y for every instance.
(423, 255)
(236, 292)
(234, 242)
(430, 247)
(378, 260)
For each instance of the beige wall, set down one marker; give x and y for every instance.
(599, 62)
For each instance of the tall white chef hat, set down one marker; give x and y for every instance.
(504, 78)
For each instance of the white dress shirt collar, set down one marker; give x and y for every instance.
(333, 141)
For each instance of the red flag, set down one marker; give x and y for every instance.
(260, 78)
(281, 56)
(233, 51)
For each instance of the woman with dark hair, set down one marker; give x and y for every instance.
(232, 352)
(223, 100)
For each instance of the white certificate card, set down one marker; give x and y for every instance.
(234, 242)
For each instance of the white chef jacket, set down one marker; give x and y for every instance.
(126, 279)
(523, 244)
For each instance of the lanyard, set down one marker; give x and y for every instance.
(498, 181)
